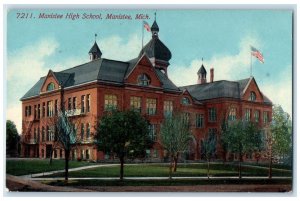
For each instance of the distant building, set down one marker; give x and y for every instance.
(89, 89)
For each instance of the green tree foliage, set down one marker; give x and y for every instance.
(12, 138)
(125, 134)
(242, 137)
(66, 137)
(278, 142)
(281, 128)
(175, 135)
(209, 149)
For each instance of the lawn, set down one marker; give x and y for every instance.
(31, 166)
(184, 170)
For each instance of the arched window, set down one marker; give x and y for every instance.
(50, 86)
(143, 80)
(185, 101)
(252, 96)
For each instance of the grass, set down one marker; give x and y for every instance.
(181, 182)
(23, 167)
(184, 170)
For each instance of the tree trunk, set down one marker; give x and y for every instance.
(208, 160)
(67, 155)
(122, 167)
(175, 162)
(240, 166)
(170, 167)
(270, 167)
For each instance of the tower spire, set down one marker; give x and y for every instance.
(95, 52)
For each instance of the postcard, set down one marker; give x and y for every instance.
(149, 100)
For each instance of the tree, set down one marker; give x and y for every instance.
(123, 133)
(12, 138)
(278, 136)
(209, 149)
(66, 137)
(242, 137)
(175, 135)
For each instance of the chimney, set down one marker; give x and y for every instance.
(212, 75)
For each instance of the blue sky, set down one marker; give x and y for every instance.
(221, 37)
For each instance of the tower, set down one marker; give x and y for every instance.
(95, 52)
(156, 50)
(201, 74)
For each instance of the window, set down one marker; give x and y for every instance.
(50, 86)
(87, 154)
(252, 96)
(43, 153)
(39, 111)
(247, 114)
(110, 102)
(61, 153)
(38, 134)
(151, 106)
(88, 101)
(143, 80)
(55, 153)
(69, 103)
(212, 114)
(82, 131)
(135, 103)
(29, 110)
(50, 108)
(88, 130)
(35, 111)
(74, 103)
(199, 120)
(185, 101)
(266, 117)
(44, 109)
(168, 108)
(232, 114)
(25, 111)
(212, 131)
(50, 133)
(43, 134)
(155, 153)
(152, 132)
(186, 116)
(34, 134)
(256, 115)
(56, 107)
(83, 104)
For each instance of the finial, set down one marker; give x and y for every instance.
(202, 60)
(95, 37)
(155, 15)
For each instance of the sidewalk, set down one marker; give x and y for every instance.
(151, 178)
(70, 170)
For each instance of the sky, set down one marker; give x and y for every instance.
(221, 37)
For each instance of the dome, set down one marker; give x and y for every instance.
(155, 48)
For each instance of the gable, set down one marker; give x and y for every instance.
(252, 87)
(50, 78)
(143, 68)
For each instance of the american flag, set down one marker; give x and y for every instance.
(146, 26)
(257, 54)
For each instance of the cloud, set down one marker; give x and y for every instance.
(118, 48)
(234, 67)
(225, 65)
(280, 92)
(24, 68)
(14, 113)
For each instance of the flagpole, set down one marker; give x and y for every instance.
(250, 64)
(142, 35)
